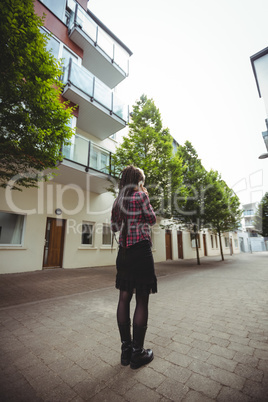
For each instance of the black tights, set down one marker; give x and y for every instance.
(140, 317)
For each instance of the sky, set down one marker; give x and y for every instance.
(192, 58)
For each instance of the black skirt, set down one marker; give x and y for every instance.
(135, 269)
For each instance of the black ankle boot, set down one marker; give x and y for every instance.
(140, 356)
(126, 348)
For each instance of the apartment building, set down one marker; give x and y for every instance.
(259, 63)
(249, 238)
(180, 243)
(66, 221)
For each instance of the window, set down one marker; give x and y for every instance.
(226, 242)
(68, 150)
(57, 7)
(236, 243)
(99, 159)
(59, 50)
(211, 238)
(87, 234)
(193, 239)
(216, 241)
(66, 55)
(106, 234)
(53, 45)
(11, 228)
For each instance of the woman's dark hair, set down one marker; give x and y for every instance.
(130, 178)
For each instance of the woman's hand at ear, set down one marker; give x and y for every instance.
(144, 190)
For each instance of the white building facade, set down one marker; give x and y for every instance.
(66, 221)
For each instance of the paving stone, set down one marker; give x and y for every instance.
(201, 345)
(200, 336)
(239, 340)
(180, 374)
(89, 388)
(194, 396)
(179, 359)
(172, 389)
(222, 376)
(107, 395)
(46, 383)
(218, 350)
(226, 378)
(258, 345)
(261, 354)
(246, 359)
(61, 393)
(249, 372)
(142, 393)
(203, 384)
(263, 366)
(199, 354)
(241, 348)
(182, 339)
(221, 362)
(220, 334)
(229, 394)
(219, 341)
(162, 341)
(257, 391)
(123, 381)
(179, 347)
(73, 375)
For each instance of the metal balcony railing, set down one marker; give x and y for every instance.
(81, 78)
(88, 154)
(80, 18)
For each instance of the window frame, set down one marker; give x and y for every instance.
(192, 238)
(226, 242)
(92, 234)
(63, 16)
(61, 46)
(106, 225)
(21, 244)
(212, 241)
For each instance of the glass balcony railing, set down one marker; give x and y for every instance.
(88, 154)
(79, 17)
(86, 82)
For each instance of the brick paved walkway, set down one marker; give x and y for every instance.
(208, 328)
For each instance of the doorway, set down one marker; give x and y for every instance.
(242, 246)
(54, 241)
(168, 245)
(180, 244)
(205, 245)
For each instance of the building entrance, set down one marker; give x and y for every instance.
(54, 241)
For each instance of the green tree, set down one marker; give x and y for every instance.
(191, 212)
(261, 218)
(33, 121)
(149, 146)
(222, 211)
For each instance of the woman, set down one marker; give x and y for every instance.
(133, 215)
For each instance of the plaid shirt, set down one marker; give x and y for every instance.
(140, 217)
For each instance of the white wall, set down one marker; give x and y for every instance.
(159, 242)
(37, 205)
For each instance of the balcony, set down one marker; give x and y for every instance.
(103, 55)
(86, 153)
(85, 164)
(101, 113)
